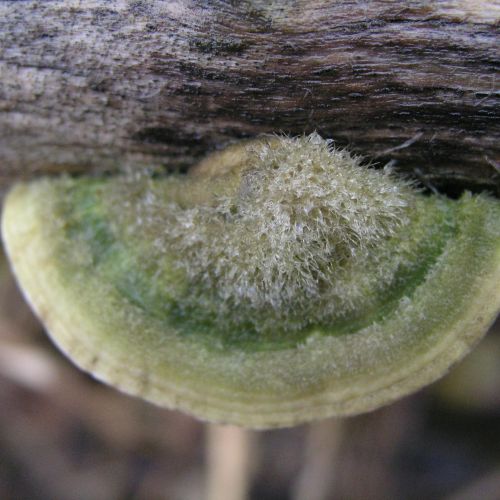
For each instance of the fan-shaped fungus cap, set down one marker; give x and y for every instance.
(277, 283)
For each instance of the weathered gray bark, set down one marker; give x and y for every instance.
(96, 86)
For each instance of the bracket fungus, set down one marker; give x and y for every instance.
(278, 282)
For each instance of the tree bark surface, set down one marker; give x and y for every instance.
(95, 86)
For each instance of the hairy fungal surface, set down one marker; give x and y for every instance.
(300, 214)
(271, 250)
(278, 282)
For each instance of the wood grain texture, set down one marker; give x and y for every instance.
(98, 86)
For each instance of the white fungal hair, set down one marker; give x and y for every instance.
(301, 212)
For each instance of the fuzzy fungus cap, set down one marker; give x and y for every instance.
(271, 242)
(279, 282)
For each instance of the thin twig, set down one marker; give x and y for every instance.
(229, 462)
